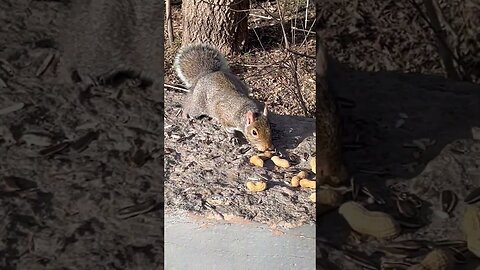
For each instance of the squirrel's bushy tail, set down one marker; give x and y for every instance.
(194, 61)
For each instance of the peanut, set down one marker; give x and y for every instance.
(471, 228)
(302, 174)
(283, 163)
(376, 224)
(313, 197)
(307, 183)
(256, 160)
(437, 259)
(295, 181)
(256, 186)
(329, 197)
(268, 154)
(313, 164)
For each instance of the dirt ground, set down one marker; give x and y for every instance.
(68, 207)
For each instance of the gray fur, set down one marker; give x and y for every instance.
(196, 60)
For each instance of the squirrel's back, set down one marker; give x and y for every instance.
(195, 61)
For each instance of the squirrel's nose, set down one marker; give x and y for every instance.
(268, 147)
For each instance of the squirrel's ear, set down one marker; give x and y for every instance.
(250, 117)
(265, 110)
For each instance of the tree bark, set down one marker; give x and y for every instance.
(221, 23)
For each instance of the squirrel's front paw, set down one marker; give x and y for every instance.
(235, 141)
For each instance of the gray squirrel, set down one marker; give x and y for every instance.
(216, 92)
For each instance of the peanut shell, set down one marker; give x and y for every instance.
(302, 174)
(256, 186)
(376, 224)
(295, 181)
(471, 228)
(437, 259)
(307, 183)
(268, 154)
(256, 160)
(313, 164)
(283, 163)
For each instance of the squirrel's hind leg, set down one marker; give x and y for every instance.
(190, 110)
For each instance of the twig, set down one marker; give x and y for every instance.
(437, 34)
(303, 30)
(301, 54)
(168, 14)
(294, 26)
(309, 30)
(443, 20)
(260, 16)
(281, 24)
(444, 50)
(166, 85)
(259, 40)
(306, 15)
(296, 89)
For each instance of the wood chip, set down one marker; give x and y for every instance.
(36, 139)
(449, 200)
(45, 64)
(54, 149)
(83, 142)
(5, 65)
(3, 84)
(473, 196)
(136, 209)
(13, 108)
(419, 144)
(15, 183)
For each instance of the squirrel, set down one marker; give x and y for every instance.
(104, 42)
(216, 92)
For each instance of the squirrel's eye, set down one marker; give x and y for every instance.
(254, 132)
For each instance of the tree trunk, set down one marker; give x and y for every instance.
(221, 23)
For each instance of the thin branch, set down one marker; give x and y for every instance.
(287, 45)
(297, 87)
(168, 14)
(303, 30)
(437, 34)
(166, 85)
(444, 49)
(260, 16)
(259, 40)
(301, 54)
(310, 29)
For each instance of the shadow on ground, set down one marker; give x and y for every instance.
(393, 117)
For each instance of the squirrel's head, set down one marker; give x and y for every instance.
(257, 130)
